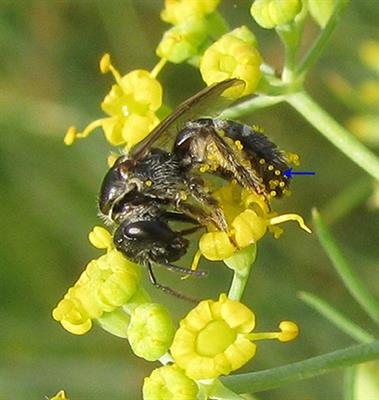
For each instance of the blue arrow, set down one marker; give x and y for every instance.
(289, 173)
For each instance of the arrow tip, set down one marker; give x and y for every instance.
(288, 173)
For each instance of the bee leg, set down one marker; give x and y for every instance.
(167, 289)
(216, 214)
(183, 270)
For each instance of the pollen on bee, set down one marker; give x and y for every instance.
(204, 168)
(282, 184)
(270, 167)
(273, 193)
(258, 128)
(262, 161)
(149, 183)
(183, 196)
(277, 172)
(238, 145)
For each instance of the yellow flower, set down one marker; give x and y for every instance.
(169, 383)
(234, 55)
(183, 41)
(131, 105)
(150, 331)
(215, 338)
(61, 395)
(70, 313)
(176, 11)
(271, 13)
(249, 216)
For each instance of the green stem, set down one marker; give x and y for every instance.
(238, 285)
(241, 263)
(320, 43)
(336, 318)
(315, 366)
(351, 280)
(349, 383)
(334, 132)
(251, 105)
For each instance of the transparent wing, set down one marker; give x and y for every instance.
(209, 102)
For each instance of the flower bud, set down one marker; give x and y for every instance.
(233, 56)
(150, 331)
(169, 383)
(272, 13)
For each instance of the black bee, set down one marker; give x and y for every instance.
(160, 180)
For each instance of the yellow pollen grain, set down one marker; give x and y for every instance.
(238, 145)
(282, 184)
(183, 196)
(204, 168)
(273, 193)
(270, 167)
(277, 172)
(149, 183)
(262, 161)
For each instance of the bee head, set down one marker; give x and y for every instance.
(115, 184)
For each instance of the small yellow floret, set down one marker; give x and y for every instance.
(271, 13)
(177, 11)
(234, 55)
(216, 246)
(169, 383)
(150, 331)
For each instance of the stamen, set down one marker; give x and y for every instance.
(106, 66)
(70, 136)
(158, 68)
(90, 127)
(289, 217)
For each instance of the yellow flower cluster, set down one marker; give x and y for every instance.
(234, 55)
(131, 105)
(191, 22)
(109, 292)
(214, 339)
(249, 216)
(107, 283)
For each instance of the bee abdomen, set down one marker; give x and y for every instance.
(265, 157)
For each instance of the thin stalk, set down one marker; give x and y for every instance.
(315, 366)
(334, 132)
(322, 40)
(349, 383)
(349, 277)
(238, 285)
(336, 318)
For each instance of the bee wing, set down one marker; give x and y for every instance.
(208, 102)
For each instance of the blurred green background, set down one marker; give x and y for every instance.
(49, 79)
